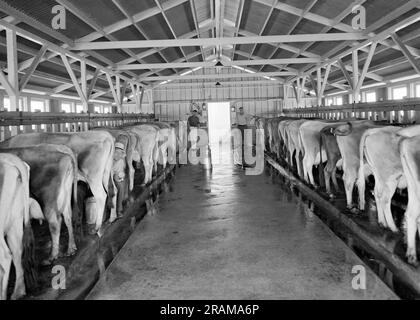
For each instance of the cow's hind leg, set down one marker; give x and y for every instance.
(349, 181)
(54, 223)
(71, 249)
(100, 195)
(5, 263)
(389, 191)
(378, 192)
(14, 239)
(411, 225)
(334, 179)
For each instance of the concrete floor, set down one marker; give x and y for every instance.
(231, 236)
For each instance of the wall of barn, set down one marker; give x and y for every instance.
(261, 97)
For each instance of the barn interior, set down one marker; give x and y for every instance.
(219, 228)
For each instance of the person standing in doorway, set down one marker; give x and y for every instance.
(193, 124)
(242, 122)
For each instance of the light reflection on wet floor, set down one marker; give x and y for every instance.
(225, 235)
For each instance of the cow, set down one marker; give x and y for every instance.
(129, 142)
(16, 210)
(147, 147)
(329, 142)
(167, 143)
(348, 140)
(410, 159)
(53, 181)
(310, 142)
(380, 148)
(283, 135)
(294, 145)
(260, 124)
(334, 161)
(94, 151)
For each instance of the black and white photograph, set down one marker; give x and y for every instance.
(206, 158)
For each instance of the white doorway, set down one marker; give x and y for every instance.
(220, 132)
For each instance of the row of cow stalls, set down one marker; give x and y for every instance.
(100, 183)
(360, 177)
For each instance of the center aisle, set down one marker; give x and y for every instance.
(226, 235)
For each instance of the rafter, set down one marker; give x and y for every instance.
(238, 24)
(345, 73)
(308, 54)
(400, 11)
(197, 27)
(82, 16)
(293, 27)
(139, 29)
(414, 63)
(336, 21)
(73, 78)
(169, 25)
(28, 74)
(382, 35)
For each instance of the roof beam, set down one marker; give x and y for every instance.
(107, 45)
(211, 64)
(220, 76)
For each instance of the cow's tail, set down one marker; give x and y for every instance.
(344, 132)
(129, 159)
(361, 181)
(107, 176)
(300, 141)
(29, 261)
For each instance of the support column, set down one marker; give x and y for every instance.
(55, 106)
(356, 92)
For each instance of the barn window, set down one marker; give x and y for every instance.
(417, 90)
(37, 105)
(79, 108)
(66, 107)
(399, 93)
(371, 96)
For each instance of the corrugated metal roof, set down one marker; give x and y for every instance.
(180, 17)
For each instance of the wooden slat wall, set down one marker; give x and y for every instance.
(173, 103)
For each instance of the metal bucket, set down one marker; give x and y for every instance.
(91, 210)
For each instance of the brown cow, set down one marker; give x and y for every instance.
(53, 180)
(94, 151)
